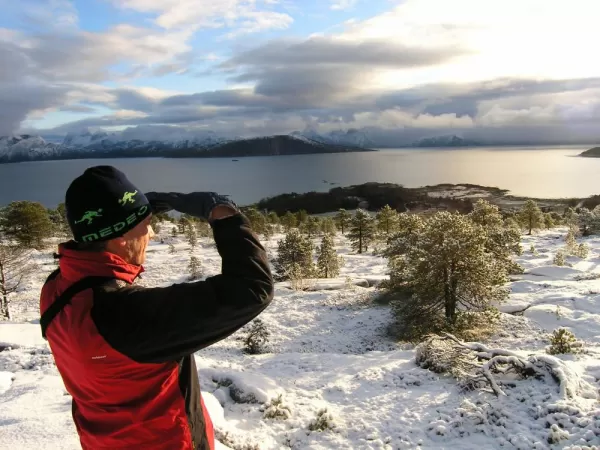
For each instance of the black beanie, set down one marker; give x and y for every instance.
(103, 204)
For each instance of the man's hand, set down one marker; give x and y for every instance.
(197, 204)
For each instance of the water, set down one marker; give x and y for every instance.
(552, 172)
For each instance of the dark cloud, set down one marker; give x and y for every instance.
(439, 99)
(325, 51)
(17, 100)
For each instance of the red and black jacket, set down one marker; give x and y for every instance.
(125, 352)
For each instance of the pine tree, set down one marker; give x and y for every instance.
(26, 222)
(190, 234)
(58, 217)
(289, 221)
(257, 338)
(570, 242)
(502, 241)
(174, 231)
(531, 216)
(588, 221)
(342, 220)
(295, 254)
(258, 221)
(549, 221)
(15, 268)
(410, 227)
(445, 265)
(311, 226)
(571, 218)
(362, 231)
(387, 221)
(273, 218)
(328, 262)
(559, 259)
(203, 229)
(155, 222)
(195, 268)
(301, 216)
(328, 226)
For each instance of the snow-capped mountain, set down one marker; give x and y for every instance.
(444, 141)
(25, 147)
(175, 144)
(351, 137)
(139, 141)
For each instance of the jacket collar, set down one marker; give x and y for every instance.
(76, 264)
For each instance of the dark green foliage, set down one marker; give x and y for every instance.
(362, 231)
(26, 222)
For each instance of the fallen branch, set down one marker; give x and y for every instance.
(477, 366)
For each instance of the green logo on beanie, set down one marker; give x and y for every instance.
(116, 228)
(90, 216)
(127, 198)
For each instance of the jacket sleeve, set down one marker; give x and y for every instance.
(164, 324)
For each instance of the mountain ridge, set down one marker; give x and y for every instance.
(102, 145)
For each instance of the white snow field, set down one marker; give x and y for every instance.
(329, 349)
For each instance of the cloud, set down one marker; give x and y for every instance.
(244, 16)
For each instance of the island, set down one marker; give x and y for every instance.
(591, 153)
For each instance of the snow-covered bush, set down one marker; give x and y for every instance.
(563, 341)
(323, 421)
(582, 251)
(227, 439)
(559, 259)
(171, 248)
(533, 251)
(257, 338)
(276, 409)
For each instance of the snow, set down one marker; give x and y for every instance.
(329, 349)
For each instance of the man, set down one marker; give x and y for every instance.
(125, 352)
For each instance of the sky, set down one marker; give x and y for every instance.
(488, 69)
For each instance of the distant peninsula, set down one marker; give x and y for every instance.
(279, 145)
(591, 153)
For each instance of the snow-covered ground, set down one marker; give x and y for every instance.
(328, 349)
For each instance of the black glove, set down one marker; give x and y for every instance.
(197, 204)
